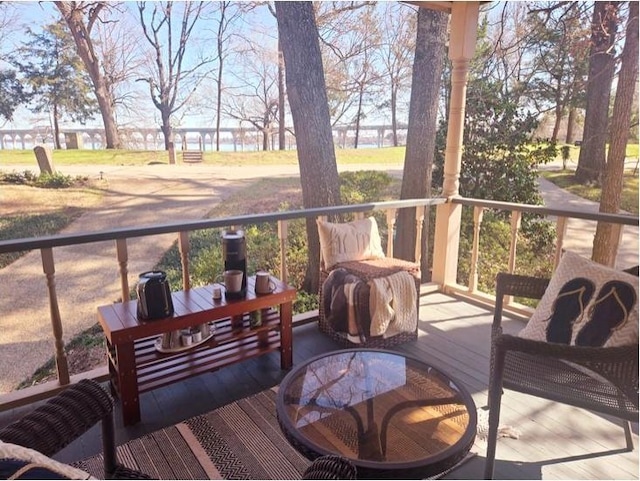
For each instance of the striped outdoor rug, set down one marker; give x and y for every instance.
(241, 440)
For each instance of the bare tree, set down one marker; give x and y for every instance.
(172, 78)
(282, 94)
(81, 18)
(118, 47)
(342, 38)
(307, 95)
(256, 98)
(396, 49)
(227, 14)
(605, 241)
(428, 66)
(592, 156)
(560, 33)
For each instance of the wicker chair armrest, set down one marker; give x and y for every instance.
(515, 285)
(618, 364)
(520, 286)
(330, 467)
(577, 354)
(55, 424)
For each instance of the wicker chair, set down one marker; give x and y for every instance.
(61, 420)
(600, 379)
(330, 467)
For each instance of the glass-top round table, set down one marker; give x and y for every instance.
(391, 415)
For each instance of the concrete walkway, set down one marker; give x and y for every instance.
(580, 233)
(87, 275)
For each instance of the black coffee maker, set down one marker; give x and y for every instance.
(234, 253)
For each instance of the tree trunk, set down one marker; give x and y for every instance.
(601, 69)
(82, 36)
(421, 134)
(167, 131)
(358, 115)
(605, 242)
(556, 124)
(394, 115)
(281, 95)
(307, 95)
(220, 49)
(571, 123)
(56, 128)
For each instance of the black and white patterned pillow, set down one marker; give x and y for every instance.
(586, 304)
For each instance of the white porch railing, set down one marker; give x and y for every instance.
(182, 230)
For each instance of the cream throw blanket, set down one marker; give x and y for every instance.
(393, 304)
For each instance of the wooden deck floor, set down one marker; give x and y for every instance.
(556, 441)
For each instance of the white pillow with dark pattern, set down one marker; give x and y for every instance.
(354, 241)
(586, 304)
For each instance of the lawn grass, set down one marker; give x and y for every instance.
(391, 155)
(566, 180)
(30, 225)
(574, 151)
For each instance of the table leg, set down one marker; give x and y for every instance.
(286, 335)
(128, 383)
(237, 322)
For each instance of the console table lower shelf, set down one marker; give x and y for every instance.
(137, 366)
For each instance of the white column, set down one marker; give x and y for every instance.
(462, 45)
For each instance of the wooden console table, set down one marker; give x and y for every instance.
(136, 366)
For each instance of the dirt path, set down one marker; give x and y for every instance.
(87, 275)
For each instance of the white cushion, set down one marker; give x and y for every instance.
(36, 459)
(586, 304)
(354, 241)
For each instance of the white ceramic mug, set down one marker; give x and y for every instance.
(233, 280)
(264, 284)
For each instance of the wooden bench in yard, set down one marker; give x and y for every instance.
(190, 156)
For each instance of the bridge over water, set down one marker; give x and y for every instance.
(193, 138)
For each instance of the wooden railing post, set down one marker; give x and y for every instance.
(616, 237)
(561, 232)
(478, 214)
(183, 247)
(391, 225)
(323, 218)
(48, 267)
(283, 232)
(419, 223)
(516, 218)
(123, 259)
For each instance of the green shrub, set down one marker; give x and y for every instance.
(363, 186)
(24, 177)
(534, 249)
(263, 248)
(44, 180)
(54, 181)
